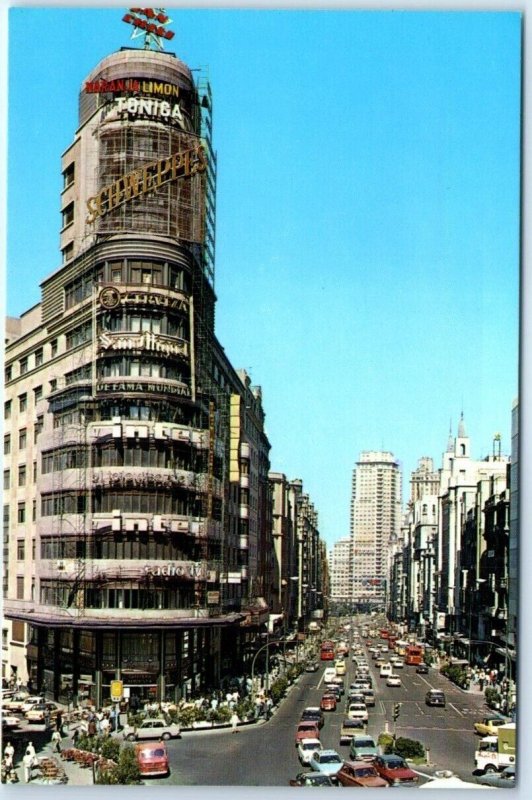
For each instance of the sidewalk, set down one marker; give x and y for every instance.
(76, 775)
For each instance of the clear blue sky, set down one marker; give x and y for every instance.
(367, 262)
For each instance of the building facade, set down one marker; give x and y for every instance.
(375, 521)
(137, 515)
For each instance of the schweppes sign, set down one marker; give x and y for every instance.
(147, 179)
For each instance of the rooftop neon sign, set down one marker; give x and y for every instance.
(150, 23)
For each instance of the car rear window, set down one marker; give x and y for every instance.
(157, 752)
(364, 743)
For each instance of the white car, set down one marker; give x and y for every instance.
(393, 680)
(398, 663)
(10, 722)
(358, 711)
(329, 674)
(385, 670)
(29, 702)
(151, 729)
(306, 749)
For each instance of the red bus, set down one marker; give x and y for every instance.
(384, 633)
(391, 641)
(413, 654)
(327, 651)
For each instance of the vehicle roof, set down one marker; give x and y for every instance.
(311, 741)
(149, 746)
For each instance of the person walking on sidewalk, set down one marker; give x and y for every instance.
(56, 740)
(28, 763)
(234, 722)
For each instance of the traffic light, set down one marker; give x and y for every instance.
(396, 710)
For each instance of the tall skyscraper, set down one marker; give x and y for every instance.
(375, 520)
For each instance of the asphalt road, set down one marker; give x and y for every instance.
(265, 755)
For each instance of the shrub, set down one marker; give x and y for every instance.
(186, 716)
(126, 771)
(222, 714)
(278, 688)
(110, 748)
(493, 698)
(409, 748)
(385, 740)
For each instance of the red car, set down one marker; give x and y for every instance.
(395, 770)
(360, 773)
(328, 702)
(152, 758)
(307, 730)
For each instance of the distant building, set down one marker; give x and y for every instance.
(375, 521)
(340, 566)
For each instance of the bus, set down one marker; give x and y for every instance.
(384, 633)
(327, 651)
(413, 654)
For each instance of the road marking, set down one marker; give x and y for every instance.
(458, 712)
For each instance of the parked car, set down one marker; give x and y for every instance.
(349, 728)
(10, 722)
(328, 702)
(312, 779)
(14, 701)
(37, 712)
(307, 730)
(500, 780)
(393, 680)
(358, 711)
(306, 749)
(360, 773)
(488, 725)
(435, 697)
(422, 669)
(151, 729)
(327, 761)
(313, 714)
(395, 770)
(363, 748)
(152, 759)
(29, 702)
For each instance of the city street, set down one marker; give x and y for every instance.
(264, 755)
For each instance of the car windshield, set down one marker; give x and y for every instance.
(330, 759)
(311, 745)
(364, 773)
(364, 743)
(395, 764)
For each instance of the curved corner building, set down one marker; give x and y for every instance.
(149, 527)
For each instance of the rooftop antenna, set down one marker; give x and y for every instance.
(150, 23)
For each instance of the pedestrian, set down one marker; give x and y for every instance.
(56, 740)
(75, 737)
(59, 721)
(29, 761)
(104, 726)
(9, 751)
(91, 730)
(234, 722)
